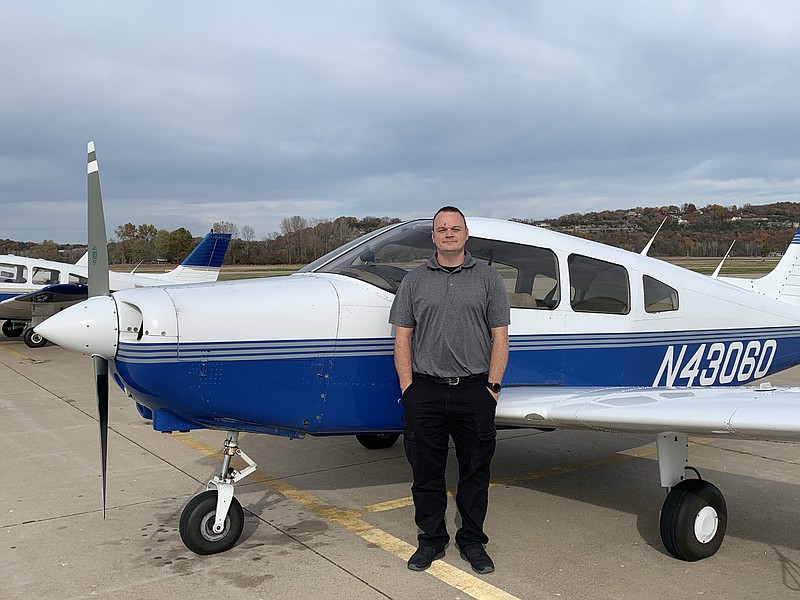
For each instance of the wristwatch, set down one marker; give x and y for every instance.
(495, 387)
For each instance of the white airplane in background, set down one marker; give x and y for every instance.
(601, 339)
(32, 289)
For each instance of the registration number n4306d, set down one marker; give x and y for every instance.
(718, 363)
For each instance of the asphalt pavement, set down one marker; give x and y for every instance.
(572, 514)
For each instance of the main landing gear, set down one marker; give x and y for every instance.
(694, 515)
(12, 329)
(213, 521)
(377, 441)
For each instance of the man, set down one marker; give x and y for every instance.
(451, 348)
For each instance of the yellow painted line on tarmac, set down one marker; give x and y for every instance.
(532, 476)
(12, 352)
(351, 519)
(640, 452)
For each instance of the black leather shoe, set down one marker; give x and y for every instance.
(423, 557)
(478, 559)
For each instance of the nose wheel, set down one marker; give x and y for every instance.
(197, 524)
(213, 521)
(33, 339)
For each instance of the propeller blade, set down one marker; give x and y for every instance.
(98, 286)
(98, 242)
(101, 391)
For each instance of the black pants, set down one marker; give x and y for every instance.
(432, 413)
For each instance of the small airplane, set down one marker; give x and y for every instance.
(601, 339)
(31, 289)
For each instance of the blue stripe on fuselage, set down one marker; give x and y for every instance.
(340, 386)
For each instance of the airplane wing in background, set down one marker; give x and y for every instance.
(56, 297)
(763, 413)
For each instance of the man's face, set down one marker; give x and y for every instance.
(449, 233)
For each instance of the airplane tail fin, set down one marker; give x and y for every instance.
(783, 282)
(203, 263)
(83, 261)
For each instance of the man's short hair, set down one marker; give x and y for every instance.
(450, 209)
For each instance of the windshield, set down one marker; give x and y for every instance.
(381, 258)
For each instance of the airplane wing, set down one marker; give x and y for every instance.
(57, 297)
(763, 413)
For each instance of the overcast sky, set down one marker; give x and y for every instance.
(251, 112)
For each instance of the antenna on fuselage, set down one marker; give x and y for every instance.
(719, 266)
(652, 239)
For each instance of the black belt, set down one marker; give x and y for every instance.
(453, 380)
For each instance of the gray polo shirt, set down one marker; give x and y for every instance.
(451, 314)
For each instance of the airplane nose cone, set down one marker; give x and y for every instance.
(90, 327)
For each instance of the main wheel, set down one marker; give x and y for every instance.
(693, 520)
(33, 339)
(378, 441)
(11, 330)
(197, 524)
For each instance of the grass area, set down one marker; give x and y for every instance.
(256, 271)
(733, 266)
(228, 273)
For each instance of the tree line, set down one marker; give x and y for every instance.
(686, 231)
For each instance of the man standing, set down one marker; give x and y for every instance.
(451, 348)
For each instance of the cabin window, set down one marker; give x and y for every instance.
(658, 296)
(42, 276)
(597, 286)
(78, 279)
(530, 273)
(11, 273)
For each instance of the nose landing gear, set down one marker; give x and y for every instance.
(213, 521)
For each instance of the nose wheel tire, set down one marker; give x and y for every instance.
(197, 525)
(377, 441)
(33, 339)
(693, 520)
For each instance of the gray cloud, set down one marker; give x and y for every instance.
(252, 112)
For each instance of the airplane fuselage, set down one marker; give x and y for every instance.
(313, 352)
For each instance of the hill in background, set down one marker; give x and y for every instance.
(759, 231)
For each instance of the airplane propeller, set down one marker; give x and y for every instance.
(98, 286)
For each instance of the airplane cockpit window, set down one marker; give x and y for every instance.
(78, 279)
(11, 273)
(383, 258)
(597, 286)
(43, 276)
(658, 296)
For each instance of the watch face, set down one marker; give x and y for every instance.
(495, 387)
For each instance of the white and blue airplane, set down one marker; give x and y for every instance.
(32, 289)
(601, 339)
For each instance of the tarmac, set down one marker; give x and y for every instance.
(572, 514)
